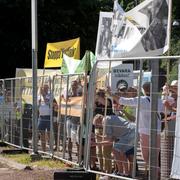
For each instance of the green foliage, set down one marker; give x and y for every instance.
(128, 4)
(26, 159)
(20, 158)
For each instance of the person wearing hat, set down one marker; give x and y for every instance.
(170, 95)
(174, 83)
(144, 118)
(170, 103)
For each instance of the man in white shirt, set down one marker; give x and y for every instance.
(144, 118)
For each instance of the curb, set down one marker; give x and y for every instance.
(13, 164)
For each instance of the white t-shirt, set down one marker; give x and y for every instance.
(144, 113)
(44, 105)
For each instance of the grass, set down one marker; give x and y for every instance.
(26, 160)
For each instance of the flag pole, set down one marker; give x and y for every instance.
(168, 60)
(169, 36)
(34, 72)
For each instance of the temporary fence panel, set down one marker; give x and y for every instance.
(118, 75)
(1, 108)
(67, 135)
(67, 128)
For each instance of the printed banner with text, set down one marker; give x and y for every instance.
(55, 51)
(142, 31)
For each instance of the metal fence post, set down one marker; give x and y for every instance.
(51, 82)
(153, 136)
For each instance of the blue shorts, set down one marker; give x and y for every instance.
(44, 123)
(125, 143)
(130, 152)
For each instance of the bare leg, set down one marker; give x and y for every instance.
(93, 157)
(77, 145)
(124, 161)
(121, 161)
(108, 159)
(43, 140)
(118, 161)
(130, 164)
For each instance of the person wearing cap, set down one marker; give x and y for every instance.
(170, 102)
(174, 83)
(144, 118)
(169, 95)
(121, 87)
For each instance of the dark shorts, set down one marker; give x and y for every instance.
(44, 123)
(125, 143)
(130, 152)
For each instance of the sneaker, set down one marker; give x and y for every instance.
(104, 178)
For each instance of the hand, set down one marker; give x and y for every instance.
(165, 89)
(108, 91)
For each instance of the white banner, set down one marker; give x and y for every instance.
(134, 33)
(103, 43)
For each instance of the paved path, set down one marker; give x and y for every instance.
(9, 173)
(10, 170)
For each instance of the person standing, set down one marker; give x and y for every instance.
(55, 123)
(44, 115)
(144, 118)
(73, 122)
(104, 152)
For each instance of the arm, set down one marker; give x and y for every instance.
(169, 106)
(114, 96)
(55, 105)
(105, 142)
(123, 100)
(129, 116)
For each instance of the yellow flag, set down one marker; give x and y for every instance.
(54, 52)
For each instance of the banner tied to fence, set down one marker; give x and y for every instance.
(55, 51)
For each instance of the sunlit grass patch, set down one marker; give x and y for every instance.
(26, 160)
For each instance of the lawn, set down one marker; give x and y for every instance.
(43, 162)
